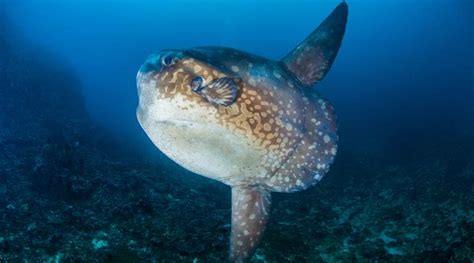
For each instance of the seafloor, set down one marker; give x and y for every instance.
(71, 192)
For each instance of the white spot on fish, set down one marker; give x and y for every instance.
(317, 176)
(235, 68)
(326, 138)
(252, 82)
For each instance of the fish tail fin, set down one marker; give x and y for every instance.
(311, 59)
(250, 209)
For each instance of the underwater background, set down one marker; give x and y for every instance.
(81, 182)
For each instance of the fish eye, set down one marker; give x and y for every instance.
(167, 60)
(197, 83)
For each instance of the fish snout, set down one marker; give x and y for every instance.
(152, 63)
(144, 75)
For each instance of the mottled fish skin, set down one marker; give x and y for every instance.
(272, 111)
(269, 113)
(250, 209)
(279, 135)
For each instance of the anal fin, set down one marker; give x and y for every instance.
(250, 209)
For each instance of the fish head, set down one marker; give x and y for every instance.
(169, 75)
(165, 88)
(192, 131)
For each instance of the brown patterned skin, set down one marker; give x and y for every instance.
(292, 124)
(278, 135)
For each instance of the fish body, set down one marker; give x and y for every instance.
(250, 122)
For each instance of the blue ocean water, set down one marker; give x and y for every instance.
(402, 84)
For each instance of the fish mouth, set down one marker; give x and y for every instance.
(171, 121)
(179, 122)
(165, 124)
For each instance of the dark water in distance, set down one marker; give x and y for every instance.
(402, 63)
(402, 86)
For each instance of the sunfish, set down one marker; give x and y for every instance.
(252, 123)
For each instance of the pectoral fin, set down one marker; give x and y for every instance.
(221, 91)
(250, 209)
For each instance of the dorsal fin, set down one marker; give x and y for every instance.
(312, 58)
